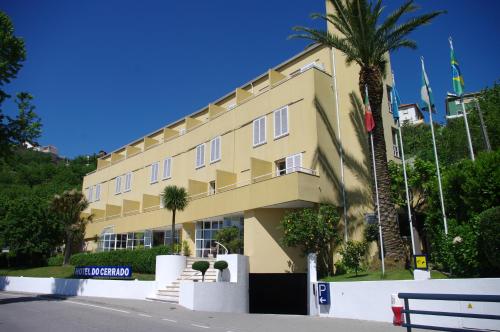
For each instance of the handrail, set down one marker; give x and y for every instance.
(444, 297)
(220, 244)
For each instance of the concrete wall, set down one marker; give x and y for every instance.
(121, 289)
(221, 296)
(168, 269)
(371, 300)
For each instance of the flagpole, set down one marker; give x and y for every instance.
(410, 219)
(341, 149)
(435, 149)
(376, 196)
(469, 140)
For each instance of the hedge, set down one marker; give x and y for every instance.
(55, 260)
(141, 260)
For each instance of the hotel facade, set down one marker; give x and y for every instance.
(269, 146)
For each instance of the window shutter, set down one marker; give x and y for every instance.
(118, 185)
(262, 130)
(90, 194)
(167, 168)
(297, 160)
(213, 149)
(98, 192)
(277, 123)
(284, 121)
(256, 136)
(289, 164)
(218, 147)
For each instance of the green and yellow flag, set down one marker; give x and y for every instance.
(458, 80)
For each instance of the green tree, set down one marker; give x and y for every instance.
(25, 127)
(313, 230)
(489, 102)
(175, 199)
(366, 40)
(67, 209)
(353, 254)
(230, 238)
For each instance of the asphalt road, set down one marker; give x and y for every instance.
(31, 312)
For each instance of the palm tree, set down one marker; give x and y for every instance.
(174, 198)
(366, 40)
(68, 208)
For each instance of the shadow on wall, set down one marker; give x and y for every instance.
(4, 282)
(68, 287)
(355, 197)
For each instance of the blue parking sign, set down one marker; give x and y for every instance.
(323, 293)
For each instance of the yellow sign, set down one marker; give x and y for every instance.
(421, 262)
(469, 306)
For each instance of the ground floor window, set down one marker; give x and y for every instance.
(206, 231)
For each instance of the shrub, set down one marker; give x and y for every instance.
(141, 260)
(185, 248)
(371, 232)
(353, 254)
(340, 268)
(201, 266)
(230, 238)
(220, 265)
(489, 241)
(55, 260)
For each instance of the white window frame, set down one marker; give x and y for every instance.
(90, 191)
(279, 124)
(128, 182)
(215, 150)
(199, 161)
(153, 176)
(167, 162)
(97, 192)
(291, 163)
(118, 185)
(262, 137)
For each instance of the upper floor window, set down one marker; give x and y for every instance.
(90, 194)
(293, 163)
(259, 131)
(118, 185)
(281, 122)
(200, 155)
(128, 182)
(215, 150)
(167, 168)
(97, 192)
(154, 172)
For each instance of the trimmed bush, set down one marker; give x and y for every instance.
(55, 260)
(141, 260)
(201, 266)
(489, 241)
(220, 265)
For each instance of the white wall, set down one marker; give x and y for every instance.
(122, 289)
(220, 296)
(371, 300)
(168, 269)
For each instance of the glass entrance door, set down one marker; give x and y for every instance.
(205, 237)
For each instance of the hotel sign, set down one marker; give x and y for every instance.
(115, 272)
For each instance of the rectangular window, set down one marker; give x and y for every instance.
(97, 192)
(200, 155)
(128, 182)
(154, 173)
(89, 194)
(148, 237)
(215, 150)
(281, 122)
(211, 188)
(118, 185)
(294, 163)
(167, 168)
(259, 131)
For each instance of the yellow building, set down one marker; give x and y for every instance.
(268, 146)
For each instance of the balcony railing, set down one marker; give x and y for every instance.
(259, 178)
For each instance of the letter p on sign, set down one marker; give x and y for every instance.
(324, 293)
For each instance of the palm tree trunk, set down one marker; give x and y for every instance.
(172, 237)
(393, 244)
(67, 249)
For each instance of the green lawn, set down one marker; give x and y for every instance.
(57, 272)
(389, 275)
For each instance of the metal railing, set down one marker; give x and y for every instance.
(444, 297)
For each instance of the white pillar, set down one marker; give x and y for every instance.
(312, 278)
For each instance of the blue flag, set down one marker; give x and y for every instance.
(395, 102)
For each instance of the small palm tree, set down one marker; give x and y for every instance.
(366, 40)
(174, 199)
(68, 208)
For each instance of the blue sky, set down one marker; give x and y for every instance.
(105, 73)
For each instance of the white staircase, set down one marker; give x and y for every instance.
(171, 292)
